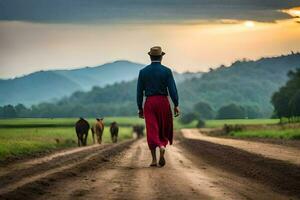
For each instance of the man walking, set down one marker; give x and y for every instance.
(156, 82)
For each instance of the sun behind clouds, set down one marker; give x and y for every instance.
(249, 24)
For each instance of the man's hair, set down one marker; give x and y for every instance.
(156, 58)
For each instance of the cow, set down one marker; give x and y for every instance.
(98, 129)
(82, 129)
(139, 130)
(114, 130)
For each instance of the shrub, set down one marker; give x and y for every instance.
(231, 111)
(188, 118)
(201, 123)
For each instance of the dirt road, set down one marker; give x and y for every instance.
(273, 151)
(195, 169)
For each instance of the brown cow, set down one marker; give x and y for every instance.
(82, 130)
(114, 130)
(98, 129)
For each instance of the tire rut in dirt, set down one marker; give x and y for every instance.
(38, 188)
(170, 182)
(119, 179)
(279, 175)
(18, 174)
(126, 180)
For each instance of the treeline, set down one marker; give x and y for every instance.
(286, 104)
(203, 111)
(286, 100)
(113, 100)
(48, 110)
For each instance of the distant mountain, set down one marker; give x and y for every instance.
(54, 84)
(46, 85)
(181, 77)
(246, 83)
(102, 75)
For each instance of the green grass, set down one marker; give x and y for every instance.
(178, 125)
(27, 136)
(279, 134)
(70, 122)
(26, 141)
(288, 133)
(220, 123)
(63, 122)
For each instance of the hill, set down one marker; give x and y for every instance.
(247, 83)
(54, 84)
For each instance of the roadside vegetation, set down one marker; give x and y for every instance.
(293, 134)
(221, 122)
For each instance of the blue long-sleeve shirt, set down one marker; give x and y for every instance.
(156, 79)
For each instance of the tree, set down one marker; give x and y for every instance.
(252, 112)
(280, 101)
(200, 123)
(1, 112)
(22, 111)
(286, 100)
(9, 112)
(204, 110)
(231, 111)
(294, 104)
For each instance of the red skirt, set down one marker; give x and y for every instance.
(159, 121)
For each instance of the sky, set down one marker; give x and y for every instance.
(195, 34)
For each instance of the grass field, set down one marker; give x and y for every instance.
(274, 132)
(20, 137)
(27, 136)
(280, 134)
(220, 123)
(16, 142)
(63, 122)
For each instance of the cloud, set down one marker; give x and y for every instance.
(143, 11)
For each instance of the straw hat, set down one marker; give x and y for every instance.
(156, 51)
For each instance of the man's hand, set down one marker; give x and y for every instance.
(176, 111)
(141, 113)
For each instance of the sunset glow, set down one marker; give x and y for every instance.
(249, 24)
(295, 12)
(191, 44)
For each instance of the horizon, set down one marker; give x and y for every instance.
(37, 36)
(110, 62)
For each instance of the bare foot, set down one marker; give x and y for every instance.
(162, 160)
(153, 164)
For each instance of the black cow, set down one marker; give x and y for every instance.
(139, 130)
(82, 129)
(114, 130)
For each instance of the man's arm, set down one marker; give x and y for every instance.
(172, 89)
(173, 93)
(140, 94)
